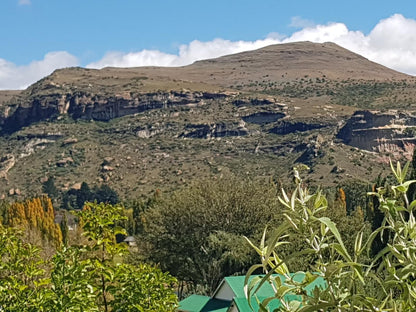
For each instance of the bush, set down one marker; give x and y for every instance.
(90, 277)
(353, 282)
(196, 234)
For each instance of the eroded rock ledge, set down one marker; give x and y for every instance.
(379, 131)
(82, 105)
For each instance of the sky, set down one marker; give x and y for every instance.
(39, 36)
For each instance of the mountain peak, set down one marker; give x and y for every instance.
(299, 59)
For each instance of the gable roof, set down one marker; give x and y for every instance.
(230, 295)
(236, 283)
(198, 303)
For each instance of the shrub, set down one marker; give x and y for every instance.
(353, 282)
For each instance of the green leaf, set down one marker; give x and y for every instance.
(332, 227)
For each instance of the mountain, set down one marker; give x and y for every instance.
(257, 113)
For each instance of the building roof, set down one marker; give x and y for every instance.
(198, 303)
(129, 239)
(230, 294)
(237, 284)
(193, 303)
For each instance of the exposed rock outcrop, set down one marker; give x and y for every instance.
(83, 105)
(262, 118)
(70, 141)
(379, 132)
(65, 162)
(313, 150)
(254, 102)
(35, 144)
(6, 163)
(217, 130)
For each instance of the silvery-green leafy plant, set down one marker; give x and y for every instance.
(386, 282)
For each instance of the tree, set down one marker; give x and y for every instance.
(115, 283)
(150, 288)
(355, 194)
(84, 195)
(384, 283)
(88, 277)
(36, 215)
(75, 199)
(49, 188)
(4, 208)
(190, 232)
(22, 282)
(71, 275)
(98, 224)
(105, 194)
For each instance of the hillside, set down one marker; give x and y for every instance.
(255, 113)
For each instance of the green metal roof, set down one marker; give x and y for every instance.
(216, 305)
(243, 306)
(237, 284)
(198, 303)
(193, 303)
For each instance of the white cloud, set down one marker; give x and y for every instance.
(25, 2)
(19, 77)
(194, 51)
(392, 43)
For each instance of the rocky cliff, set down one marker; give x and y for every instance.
(89, 106)
(379, 131)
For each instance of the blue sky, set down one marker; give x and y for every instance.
(38, 36)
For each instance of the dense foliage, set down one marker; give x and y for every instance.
(197, 233)
(86, 277)
(36, 215)
(75, 198)
(354, 282)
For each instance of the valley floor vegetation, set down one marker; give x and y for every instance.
(189, 240)
(89, 276)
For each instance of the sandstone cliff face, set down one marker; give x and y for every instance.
(379, 132)
(82, 105)
(262, 118)
(6, 163)
(218, 130)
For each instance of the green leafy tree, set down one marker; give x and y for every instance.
(99, 227)
(49, 188)
(4, 208)
(149, 284)
(23, 286)
(71, 282)
(105, 194)
(84, 195)
(189, 233)
(75, 199)
(113, 282)
(89, 277)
